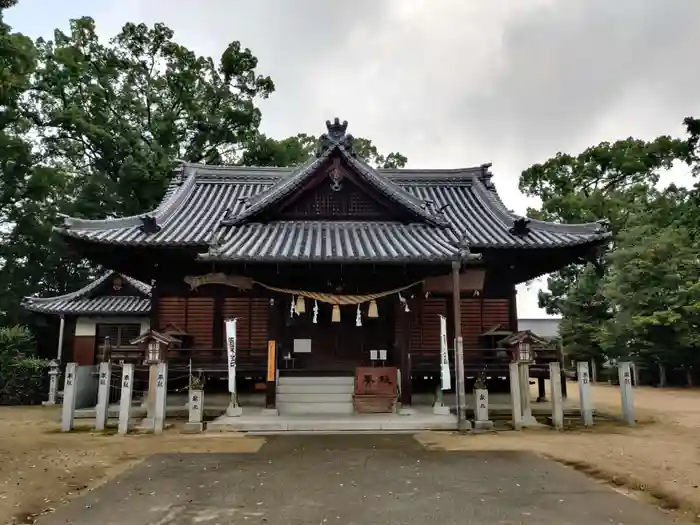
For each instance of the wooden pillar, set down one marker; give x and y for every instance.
(274, 335)
(406, 386)
(459, 348)
(513, 310)
(155, 307)
(271, 379)
(541, 393)
(563, 384)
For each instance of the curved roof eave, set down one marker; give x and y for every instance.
(174, 197)
(591, 230)
(82, 292)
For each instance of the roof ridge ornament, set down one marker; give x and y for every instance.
(149, 224)
(520, 226)
(336, 136)
(603, 226)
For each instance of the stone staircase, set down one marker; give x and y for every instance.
(315, 395)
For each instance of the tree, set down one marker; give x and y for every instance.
(653, 291)
(613, 181)
(117, 116)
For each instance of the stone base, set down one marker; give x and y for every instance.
(48, 403)
(483, 425)
(234, 410)
(530, 421)
(464, 425)
(407, 411)
(269, 412)
(441, 410)
(147, 423)
(193, 428)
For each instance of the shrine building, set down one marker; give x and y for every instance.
(328, 267)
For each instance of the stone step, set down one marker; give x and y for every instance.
(322, 388)
(343, 397)
(315, 408)
(316, 380)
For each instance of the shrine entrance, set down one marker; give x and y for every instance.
(324, 343)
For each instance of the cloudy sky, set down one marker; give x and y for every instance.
(449, 83)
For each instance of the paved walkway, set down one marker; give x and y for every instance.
(353, 479)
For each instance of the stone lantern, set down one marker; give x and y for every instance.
(520, 346)
(155, 346)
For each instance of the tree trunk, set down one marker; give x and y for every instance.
(689, 377)
(662, 375)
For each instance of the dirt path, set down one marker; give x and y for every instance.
(41, 468)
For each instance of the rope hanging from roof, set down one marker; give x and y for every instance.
(338, 299)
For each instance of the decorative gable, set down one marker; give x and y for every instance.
(117, 285)
(336, 184)
(336, 193)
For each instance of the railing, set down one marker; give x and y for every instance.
(255, 360)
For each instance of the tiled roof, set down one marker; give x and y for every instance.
(327, 241)
(83, 302)
(215, 208)
(194, 209)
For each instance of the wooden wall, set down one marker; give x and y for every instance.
(84, 350)
(200, 317)
(478, 315)
(253, 320)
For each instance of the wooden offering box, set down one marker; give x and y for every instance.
(375, 389)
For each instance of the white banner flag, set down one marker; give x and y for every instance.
(444, 358)
(231, 353)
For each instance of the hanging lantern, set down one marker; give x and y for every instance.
(524, 350)
(358, 317)
(315, 320)
(335, 316)
(372, 311)
(301, 305)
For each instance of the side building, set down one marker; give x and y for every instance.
(335, 262)
(113, 306)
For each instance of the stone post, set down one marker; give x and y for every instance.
(102, 408)
(525, 401)
(149, 401)
(626, 391)
(161, 396)
(584, 393)
(516, 407)
(439, 407)
(69, 393)
(125, 401)
(196, 409)
(481, 410)
(54, 372)
(556, 395)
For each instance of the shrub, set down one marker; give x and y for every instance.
(22, 375)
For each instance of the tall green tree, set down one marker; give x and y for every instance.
(654, 293)
(614, 181)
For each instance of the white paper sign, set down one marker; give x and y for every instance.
(231, 353)
(444, 358)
